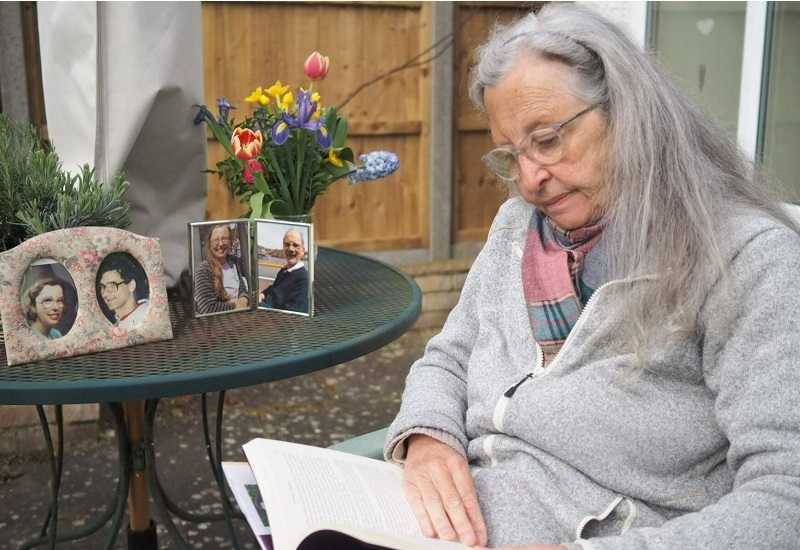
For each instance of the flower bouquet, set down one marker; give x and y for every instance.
(290, 150)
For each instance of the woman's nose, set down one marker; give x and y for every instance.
(532, 174)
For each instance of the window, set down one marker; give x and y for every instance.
(740, 60)
(781, 127)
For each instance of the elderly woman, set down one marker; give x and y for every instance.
(621, 371)
(219, 282)
(44, 305)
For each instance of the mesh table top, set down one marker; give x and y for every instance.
(361, 304)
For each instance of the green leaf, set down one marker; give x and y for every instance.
(347, 154)
(260, 183)
(278, 207)
(256, 205)
(340, 134)
(337, 172)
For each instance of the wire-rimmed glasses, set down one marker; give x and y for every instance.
(111, 286)
(51, 303)
(544, 146)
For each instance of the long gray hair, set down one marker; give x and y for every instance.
(674, 174)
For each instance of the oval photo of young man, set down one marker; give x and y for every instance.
(122, 290)
(49, 299)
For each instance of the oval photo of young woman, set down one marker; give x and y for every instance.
(122, 290)
(49, 299)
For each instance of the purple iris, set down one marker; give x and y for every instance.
(202, 113)
(261, 117)
(305, 110)
(224, 109)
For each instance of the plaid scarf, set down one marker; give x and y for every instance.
(553, 278)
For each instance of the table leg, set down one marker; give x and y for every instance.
(141, 530)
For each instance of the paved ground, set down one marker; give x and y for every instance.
(317, 409)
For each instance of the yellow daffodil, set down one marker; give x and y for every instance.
(277, 90)
(258, 97)
(287, 101)
(333, 158)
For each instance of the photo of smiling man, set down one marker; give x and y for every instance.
(289, 290)
(122, 290)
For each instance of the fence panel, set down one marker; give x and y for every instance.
(254, 44)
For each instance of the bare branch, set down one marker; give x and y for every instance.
(438, 48)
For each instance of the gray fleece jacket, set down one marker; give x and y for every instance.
(700, 451)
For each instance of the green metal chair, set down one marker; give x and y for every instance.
(369, 445)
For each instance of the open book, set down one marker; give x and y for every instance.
(321, 499)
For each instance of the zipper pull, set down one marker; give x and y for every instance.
(510, 391)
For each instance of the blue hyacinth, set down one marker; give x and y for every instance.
(376, 165)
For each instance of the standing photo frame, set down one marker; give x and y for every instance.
(284, 266)
(82, 290)
(220, 260)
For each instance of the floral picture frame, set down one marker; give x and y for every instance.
(219, 256)
(85, 259)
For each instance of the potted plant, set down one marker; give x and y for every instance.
(37, 195)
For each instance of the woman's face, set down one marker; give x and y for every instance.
(49, 305)
(220, 243)
(536, 94)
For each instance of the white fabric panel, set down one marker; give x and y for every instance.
(68, 44)
(148, 73)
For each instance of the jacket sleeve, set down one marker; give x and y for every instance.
(751, 363)
(205, 295)
(435, 397)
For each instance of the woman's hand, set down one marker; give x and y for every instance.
(241, 302)
(439, 487)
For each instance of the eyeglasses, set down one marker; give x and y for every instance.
(544, 146)
(111, 286)
(48, 303)
(224, 240)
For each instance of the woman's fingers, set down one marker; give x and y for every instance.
(441, 492)
(469, 499)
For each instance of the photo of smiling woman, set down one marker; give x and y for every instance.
(220, 279)
(44, 307)
(48, 299)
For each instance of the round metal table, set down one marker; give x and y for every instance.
(361, 304)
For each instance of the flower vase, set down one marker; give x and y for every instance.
(308, 217)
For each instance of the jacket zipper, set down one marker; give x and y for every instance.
(540, 371)
(534, 374)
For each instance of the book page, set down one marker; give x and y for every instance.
(304, 487)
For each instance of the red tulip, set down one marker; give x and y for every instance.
(316, 66)
(251, 166)
(246, 143)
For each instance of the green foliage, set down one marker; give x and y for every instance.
(37, 196)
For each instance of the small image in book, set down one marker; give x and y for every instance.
(258, 502)
(245, 490)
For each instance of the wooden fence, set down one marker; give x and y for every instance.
(254, 44)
